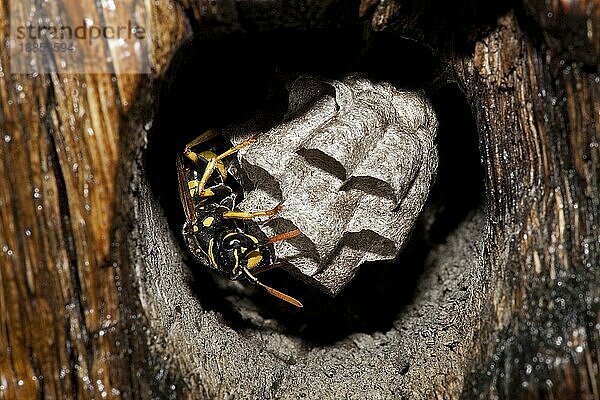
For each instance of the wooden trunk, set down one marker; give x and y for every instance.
(496, 296)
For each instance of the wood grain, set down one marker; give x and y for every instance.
(64, 332)
(540, 147)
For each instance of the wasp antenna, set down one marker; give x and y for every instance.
(284, 236)
(272, 291)
(276, 210)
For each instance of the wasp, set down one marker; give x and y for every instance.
(215, 231)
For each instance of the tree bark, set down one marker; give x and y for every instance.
(98, 299)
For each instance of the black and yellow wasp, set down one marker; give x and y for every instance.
(214, 231)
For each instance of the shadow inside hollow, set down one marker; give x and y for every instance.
(369, 303)
(231, 78)
(370, 185)
(324, 162)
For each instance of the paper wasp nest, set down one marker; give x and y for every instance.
(352, 164)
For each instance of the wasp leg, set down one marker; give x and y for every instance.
(249, 215)
(205, 137)
(272, 291)
(214, 162)
(237, 147)
(210, 168)
(284, 236)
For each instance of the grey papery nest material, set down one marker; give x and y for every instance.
(352, 165)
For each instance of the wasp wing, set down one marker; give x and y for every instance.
(184, 192)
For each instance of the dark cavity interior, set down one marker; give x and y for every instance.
(215, 81)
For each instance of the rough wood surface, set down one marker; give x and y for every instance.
(97, 297)
(540, 146)
(66, 320)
